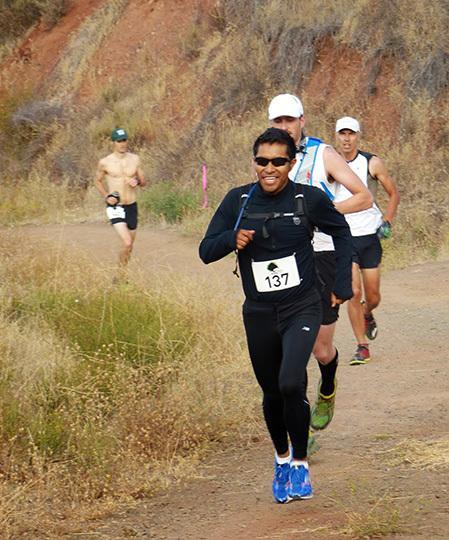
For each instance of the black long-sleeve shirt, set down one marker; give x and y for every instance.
(285, 237)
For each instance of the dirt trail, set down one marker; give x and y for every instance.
(402, 394)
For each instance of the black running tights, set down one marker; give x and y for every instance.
(280, 346)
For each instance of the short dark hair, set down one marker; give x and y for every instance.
(275, 135)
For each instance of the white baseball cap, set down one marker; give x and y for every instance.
(285, 105)
(347, 122)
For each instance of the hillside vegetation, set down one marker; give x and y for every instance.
(84, 394)
(205, 99)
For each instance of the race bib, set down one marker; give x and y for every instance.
(276, 274)
(115, 212)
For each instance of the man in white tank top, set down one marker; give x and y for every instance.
(367, 227)
(319, 165)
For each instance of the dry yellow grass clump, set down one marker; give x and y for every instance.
(427, 455)
(382, 519)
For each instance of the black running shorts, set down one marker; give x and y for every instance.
(367, 251)
(325, 265)
(123, 213)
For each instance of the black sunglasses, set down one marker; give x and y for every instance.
(277, 161)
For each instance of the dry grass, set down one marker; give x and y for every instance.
(41, 201)
(368, 513)
(380, 520)
(411, 33)
(432, 454)
(7, 48)
(85, 430)
(16, 16)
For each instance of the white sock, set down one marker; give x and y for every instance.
(298, 463)
(282, 460)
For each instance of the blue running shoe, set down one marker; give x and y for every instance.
(299, 486)
(280, 482)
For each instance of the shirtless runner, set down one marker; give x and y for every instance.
(122, 173)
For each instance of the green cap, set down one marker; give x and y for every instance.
(119, 134)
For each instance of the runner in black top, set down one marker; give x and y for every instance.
(282, 309)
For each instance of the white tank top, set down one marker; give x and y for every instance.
(309, 169)
(366, 221)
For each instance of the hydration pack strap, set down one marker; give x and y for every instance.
(266, 218)
(299, 213)
(244, 203)
(301, 210)
(244, 200)
(327, 191)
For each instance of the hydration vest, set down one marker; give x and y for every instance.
(309, 152)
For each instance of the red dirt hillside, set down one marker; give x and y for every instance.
(152, 27)
(34, 59)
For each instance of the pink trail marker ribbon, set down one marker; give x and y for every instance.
(204, 180)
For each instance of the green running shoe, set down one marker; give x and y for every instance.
(323, 410)
(312, 444)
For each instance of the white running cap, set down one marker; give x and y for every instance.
(285, 105)
(347, 122)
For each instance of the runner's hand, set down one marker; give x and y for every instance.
(113, 198)
(133, 182)
(336, 301)
(243, 238)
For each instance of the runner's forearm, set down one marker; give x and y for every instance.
(220, 238)
(101, 190)
(392, 207)
(356, 203)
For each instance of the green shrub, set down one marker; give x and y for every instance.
(11, 416)
(49, 432)
(11, 137)
(116, 337)
(168, 201)
(125, 323)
